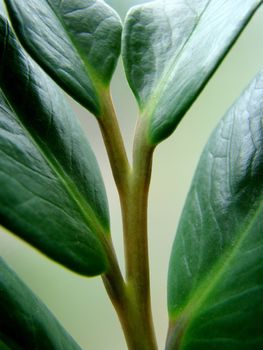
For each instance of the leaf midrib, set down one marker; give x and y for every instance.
(199, 297)
(150, 106)
(92, 222)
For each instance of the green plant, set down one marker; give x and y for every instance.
(53, 195)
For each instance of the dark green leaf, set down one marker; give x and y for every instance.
(3, 346)
(171, 49)
(52, 194)
(215, 287)
(25, 322)
(76, 42)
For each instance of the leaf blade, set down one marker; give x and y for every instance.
(53, 195)
(171, 49)
(216, 273)
(77, 44)
(25, 322)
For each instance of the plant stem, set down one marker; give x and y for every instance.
(132, 299)
(114, 144)
(134, 208)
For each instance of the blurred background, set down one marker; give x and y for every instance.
(81, 304)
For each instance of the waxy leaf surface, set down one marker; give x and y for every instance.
(76, 42)
(170, 50)
(25, 322)
(52, 194)
(215, 284)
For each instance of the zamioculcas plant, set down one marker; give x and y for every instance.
(52, 193)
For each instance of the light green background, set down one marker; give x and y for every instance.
(81, 304)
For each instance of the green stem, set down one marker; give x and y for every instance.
(134, 207)
(114, 144)
(132, 299)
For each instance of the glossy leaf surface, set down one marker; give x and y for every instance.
(171, 48)
(52, 194)
(215, 284)
(25, 322)
(76, 42)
